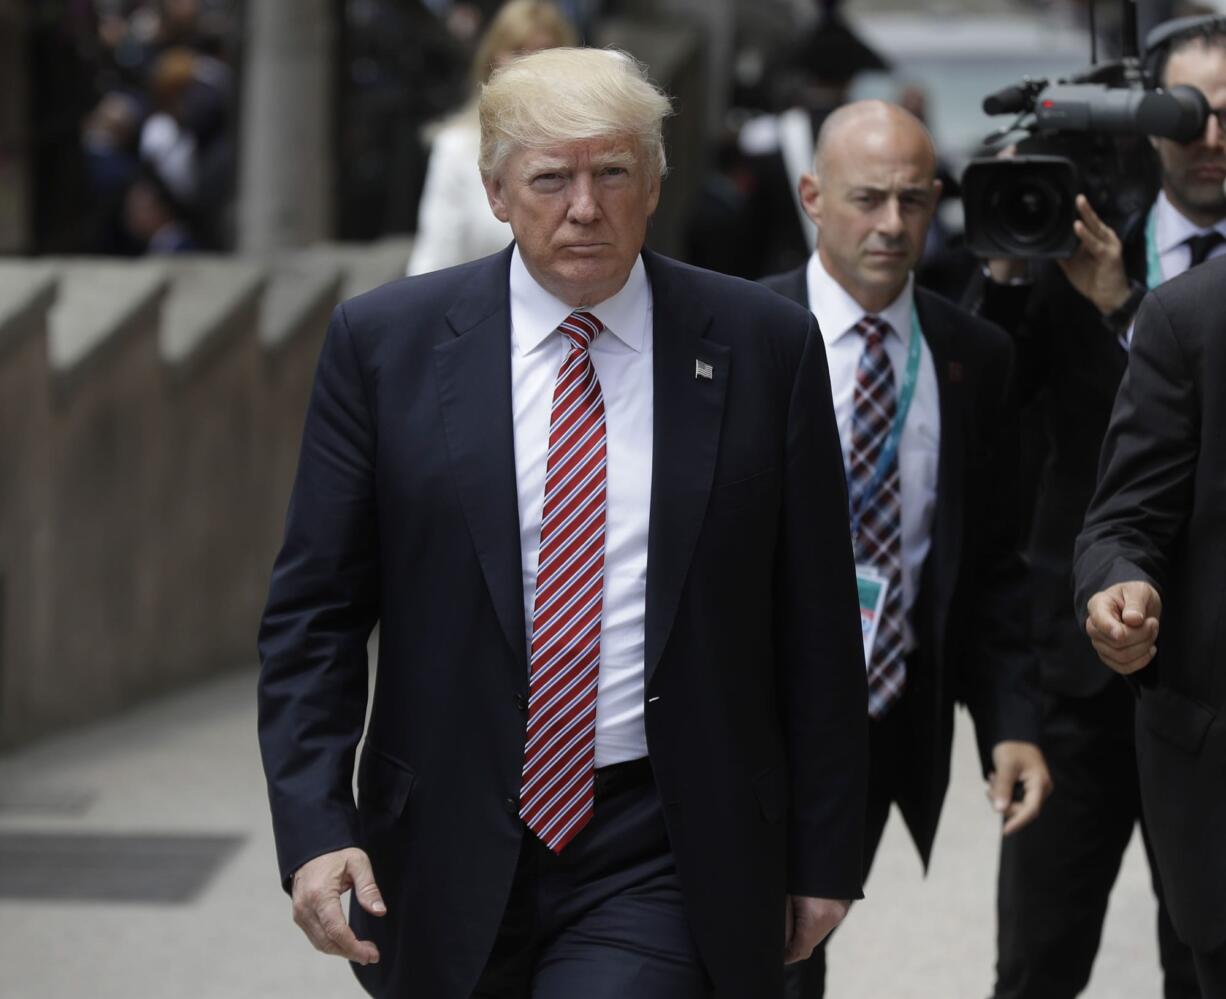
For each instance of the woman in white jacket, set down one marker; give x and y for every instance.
(454, 221)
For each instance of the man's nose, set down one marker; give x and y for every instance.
(890, 220)
(1215, 130)
(584, 208)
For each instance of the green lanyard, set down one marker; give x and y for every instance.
(1153, 263)
(890, 450)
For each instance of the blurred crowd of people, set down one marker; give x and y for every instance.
(157, 144)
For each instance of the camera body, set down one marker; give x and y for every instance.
(1088, 135)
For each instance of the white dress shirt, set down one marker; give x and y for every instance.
(918, 451)
(1172, 230)
(622, 356)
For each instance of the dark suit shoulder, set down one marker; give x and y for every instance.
(791, 284)
(968, 332)
(1188, 300)
(740, 309)
(433, 295)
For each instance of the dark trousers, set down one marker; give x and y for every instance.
(1057, 873)
(888, 743)
(605, 918)
(1211, 973)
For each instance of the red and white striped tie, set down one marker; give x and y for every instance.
(560, 754)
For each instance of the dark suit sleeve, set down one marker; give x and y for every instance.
(820, 652)
(999, 679)
(1148, 464)
(322, 606)
(1022, 312)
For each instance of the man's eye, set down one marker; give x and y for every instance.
(614, 171)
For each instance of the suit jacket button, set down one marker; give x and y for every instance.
(521, 702)
(512, 806)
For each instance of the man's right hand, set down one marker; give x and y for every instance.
(1123, 625)
(317, 888)
(1096, 268)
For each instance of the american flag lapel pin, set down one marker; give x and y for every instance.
(703, 370)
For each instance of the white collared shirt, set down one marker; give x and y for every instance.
(622, 356)
(1172, 230)
(919, 450)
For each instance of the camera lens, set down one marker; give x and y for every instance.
(1021, 206)
(1029, 211)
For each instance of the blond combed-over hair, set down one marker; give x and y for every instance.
(565, 95)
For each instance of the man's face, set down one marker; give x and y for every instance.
(872, 204)
(1193, 174)
(579, 214)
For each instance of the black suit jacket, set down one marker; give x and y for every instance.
(1159, 514)
(405, 512)
(970, 613)
(1069, 367)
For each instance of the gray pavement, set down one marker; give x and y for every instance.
(188, 764)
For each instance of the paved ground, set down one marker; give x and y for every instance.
(188, 764)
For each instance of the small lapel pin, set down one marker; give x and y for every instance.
(703, 370)
(955, 371)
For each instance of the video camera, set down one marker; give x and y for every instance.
(1086, 135)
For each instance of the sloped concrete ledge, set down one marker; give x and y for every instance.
(298, 290)
(101, 303)
(26, 291)
(205, 308)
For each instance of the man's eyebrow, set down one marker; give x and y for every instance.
(533, 167)
(622, 158)
(915, 189)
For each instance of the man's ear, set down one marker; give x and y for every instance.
(653, 196)
(494, 194)
(810, 188)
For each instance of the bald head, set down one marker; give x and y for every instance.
(873, 127)
(871, 194)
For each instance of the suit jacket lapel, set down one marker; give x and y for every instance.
(947, 521)
(688, 413)
(474, 379)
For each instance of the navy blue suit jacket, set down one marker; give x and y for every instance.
(404, 512)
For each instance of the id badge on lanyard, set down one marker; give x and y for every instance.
(872, 587)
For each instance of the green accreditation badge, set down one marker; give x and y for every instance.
(873, 587)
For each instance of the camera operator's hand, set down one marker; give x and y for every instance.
(1096, 269)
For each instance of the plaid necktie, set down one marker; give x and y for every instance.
(560, 754)
(878, 542)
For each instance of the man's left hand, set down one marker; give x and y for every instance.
(808, 921)
(1013, 762)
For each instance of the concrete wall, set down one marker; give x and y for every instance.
(150, 418)
(25, 461)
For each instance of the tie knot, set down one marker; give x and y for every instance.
(1202, 245)
(873, 329)
(580, 328)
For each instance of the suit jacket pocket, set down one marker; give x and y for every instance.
(772, 793)
(744, 491)
(384, 782)
(1175, 718)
